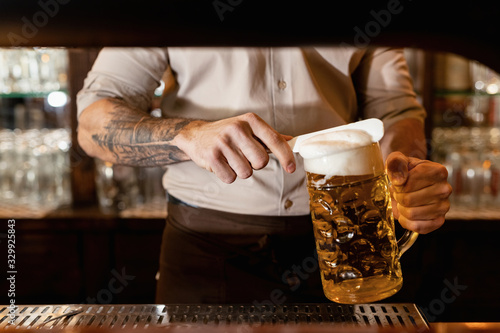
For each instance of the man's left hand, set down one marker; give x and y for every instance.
(420, 192)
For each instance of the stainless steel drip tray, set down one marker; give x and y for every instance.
(144, 316)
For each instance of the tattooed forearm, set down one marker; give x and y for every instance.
(133, 137)
(151, 154)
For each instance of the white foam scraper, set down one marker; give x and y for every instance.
(373, 126)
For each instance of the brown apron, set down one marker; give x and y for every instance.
(209, 256)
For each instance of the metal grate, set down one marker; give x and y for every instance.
(151, 316)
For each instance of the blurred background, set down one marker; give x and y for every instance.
(81, 221)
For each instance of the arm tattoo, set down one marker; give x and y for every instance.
(135, 138)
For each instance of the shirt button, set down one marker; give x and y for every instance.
(281, 85)
(288, 204)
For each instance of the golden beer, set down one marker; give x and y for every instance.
(351, 210)
(355, 240)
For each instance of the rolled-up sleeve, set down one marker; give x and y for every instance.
(131, 74)
(385, 88)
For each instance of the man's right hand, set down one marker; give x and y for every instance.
(234, 147)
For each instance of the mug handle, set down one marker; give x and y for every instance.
(406, 241)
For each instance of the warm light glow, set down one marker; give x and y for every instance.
(480, 325)
(479, 85)
(492, 88)
(62, 77)
(57, 99)
(45, 58)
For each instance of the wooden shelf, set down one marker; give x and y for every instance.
(469, 214)
(86, 218)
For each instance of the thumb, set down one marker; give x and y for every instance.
(397, 168)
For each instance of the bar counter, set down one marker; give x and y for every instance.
(299, 328)
(237, 318)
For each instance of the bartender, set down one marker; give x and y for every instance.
(238, 228)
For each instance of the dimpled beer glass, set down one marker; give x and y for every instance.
(351, 210)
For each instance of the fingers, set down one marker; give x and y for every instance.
(424, 175)
(424, 210)
(422, 219)
(420, 191)
(427, 212)
(274, 141)
(421, 226)
(251, 138)
(236, 156)
(397, 168)
(429, 195)
(232, 148)
(231, 164)
(413, 173)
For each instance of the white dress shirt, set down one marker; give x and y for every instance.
(295, 90)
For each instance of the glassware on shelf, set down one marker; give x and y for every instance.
(130, 191)
(34, 143)
(484, 79)
(493, 194)
(151, 187)
(466, 93)
(117, 186)
(34, 169)
(484, 107)
(32, 70)
(472, 158)
(7, 161)
(26, 169)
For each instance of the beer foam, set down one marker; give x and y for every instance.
(342, 153)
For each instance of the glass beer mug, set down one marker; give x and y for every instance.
(352, 217)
